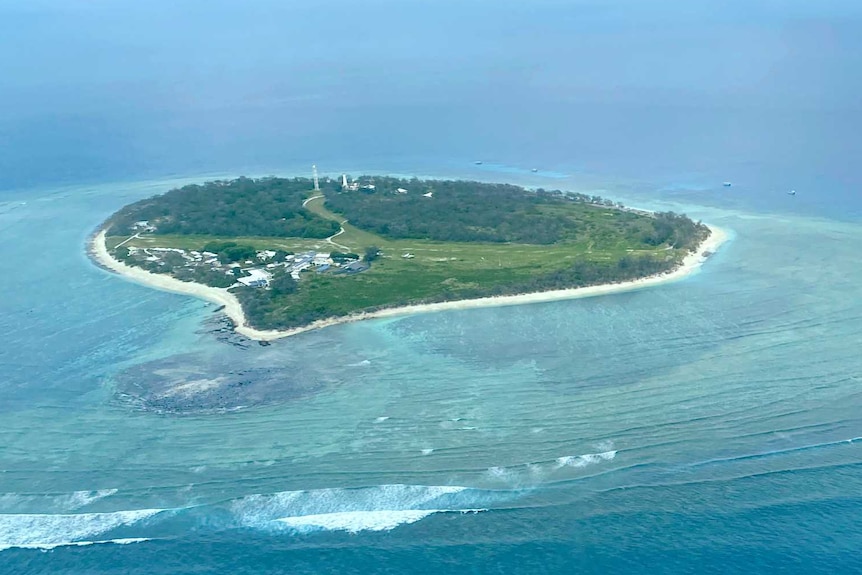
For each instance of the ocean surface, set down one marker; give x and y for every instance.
(712, 425)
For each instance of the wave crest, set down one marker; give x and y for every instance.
(375, 508)
(529, 474)
(356, 521)
(65, 502)
(586, 459)
(48, 531)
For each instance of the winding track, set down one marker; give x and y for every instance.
(336, 234)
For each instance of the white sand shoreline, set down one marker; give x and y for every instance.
(233, 309)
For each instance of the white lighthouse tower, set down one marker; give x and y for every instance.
(314, 176)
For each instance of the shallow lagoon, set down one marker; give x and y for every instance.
(713, 405)
(706, 426)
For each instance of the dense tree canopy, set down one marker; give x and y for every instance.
(466, 211)
(454, 211)
(442, 210)
(268, 207)
(282, 283)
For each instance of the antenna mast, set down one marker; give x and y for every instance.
(314, 175)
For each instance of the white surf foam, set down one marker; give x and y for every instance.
(585, 460)
(356, 521)
(499, 472)
(528, 474)
(337, 504)
(49, 546)
(41, 530)
(606, 445)
(63, 502)
(80, 499)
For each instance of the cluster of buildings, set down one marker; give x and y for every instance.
(348, 185)
(353, 185)
(257, 272)
(143, 226)
(296, 264)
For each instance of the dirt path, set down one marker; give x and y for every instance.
(335, 235)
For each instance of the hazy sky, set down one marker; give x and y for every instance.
(136, 85)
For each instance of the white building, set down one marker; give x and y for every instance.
(144, 225)
(321, 259)
(257, 278)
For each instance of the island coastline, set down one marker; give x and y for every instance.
(233, 309)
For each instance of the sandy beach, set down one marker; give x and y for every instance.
(232, 307)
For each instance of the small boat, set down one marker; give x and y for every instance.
(534, 170)
(478, 162)
(727, 184)
(791, 193)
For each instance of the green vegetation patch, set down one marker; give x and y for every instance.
(465, 211)
(390, 242)
(445, 272)
(269, 207)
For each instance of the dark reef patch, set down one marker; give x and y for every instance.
(187, 384)
(223, 329)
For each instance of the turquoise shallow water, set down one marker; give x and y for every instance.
(707, 425)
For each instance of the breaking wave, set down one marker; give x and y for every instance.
(49, 546)
(378, 508)
(30, 530)
(356, 521)
(586, 459)
(65, 502)
(536, 471)
(80, 499)
(374, 508)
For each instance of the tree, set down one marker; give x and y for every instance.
(371, 253)
(245, 207)
(280, 256)
(341, 257)
(281, 284)
(216, 246)
(236, 253)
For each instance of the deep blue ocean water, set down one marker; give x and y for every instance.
(712, 425)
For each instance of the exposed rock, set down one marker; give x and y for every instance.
(224, 330)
